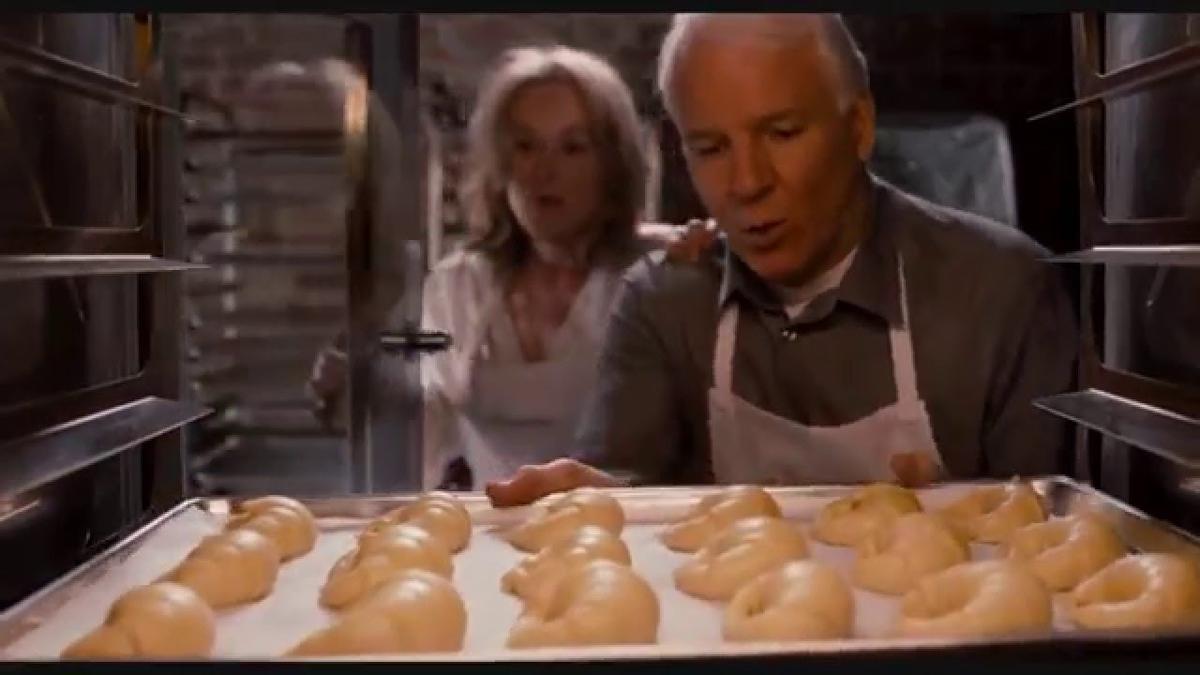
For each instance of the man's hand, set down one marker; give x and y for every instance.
(531, 483)
(914, 469)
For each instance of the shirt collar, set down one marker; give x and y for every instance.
(870, 283)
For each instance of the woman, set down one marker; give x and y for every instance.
(556, 182)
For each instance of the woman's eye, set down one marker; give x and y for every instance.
(575, 147)
(705, 149)
(523, 146)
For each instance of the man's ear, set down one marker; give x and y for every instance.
(862, 125)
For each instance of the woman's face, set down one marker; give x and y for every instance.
(555, 173)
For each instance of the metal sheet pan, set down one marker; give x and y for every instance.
(479, 569)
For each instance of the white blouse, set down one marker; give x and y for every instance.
(464, 295)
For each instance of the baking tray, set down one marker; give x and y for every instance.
(40, 626)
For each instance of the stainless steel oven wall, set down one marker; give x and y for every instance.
(1152, 317)
(89, 393)
(1138, 408)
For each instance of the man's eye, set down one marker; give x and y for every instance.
(784, 133)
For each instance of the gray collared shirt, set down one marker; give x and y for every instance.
(992, 329)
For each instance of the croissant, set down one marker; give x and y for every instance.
(849, 520)
(438, 513)
(991, 514)
(539, 572)
(231, 568)
(415, 611)
(164, 620)
(1146, 590)
(563, 514)
(379, 556)
(716, 512)
(282, 519)
(599, 603)
(739, 553)
(802, 600)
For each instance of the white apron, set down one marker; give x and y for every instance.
(518, 413)
(751, 445)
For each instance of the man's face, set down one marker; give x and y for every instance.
(773, 155)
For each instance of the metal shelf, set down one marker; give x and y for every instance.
(273, 256)
(48, 455)
(1161, 432)
(26, 267)
(1148, 256)
(1133, 78)
(33, 62)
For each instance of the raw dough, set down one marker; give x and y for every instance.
(539, 572)
(990, 514)
(847, 521)
(439, 513)
(415, 611)
(284, 520)
(559, 515)
(380, 555)
(599, 603)
(803, 600)
(714, 513)
(1065, 551)
(1150, 590)
(230, 568)
(161, 620)
(976, 599)
(742, 551)
(893, 558)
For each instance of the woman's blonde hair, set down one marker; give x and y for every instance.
(616, 133)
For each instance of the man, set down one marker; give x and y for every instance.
(850, 332)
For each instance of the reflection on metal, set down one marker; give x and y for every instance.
(34, 55)
(25, 267)
(359, 268)
(413, 343)
(287, 256)
(1149, 256)
(316, 136)
(34, 461)
(1155, 430)
(12, 509)
(1097, 88)
(291, 199)
(33, 62)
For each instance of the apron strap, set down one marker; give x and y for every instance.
(904, 368)
(723, 352)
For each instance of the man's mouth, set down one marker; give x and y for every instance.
(549, 201)
(763, 233)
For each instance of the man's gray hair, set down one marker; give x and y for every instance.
(832, 37)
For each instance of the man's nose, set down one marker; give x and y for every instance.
(752, 176)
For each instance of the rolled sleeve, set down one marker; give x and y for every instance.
(1038, 360)
(632, 426)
